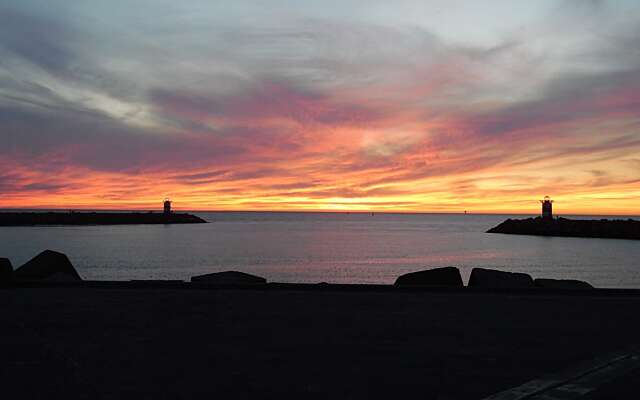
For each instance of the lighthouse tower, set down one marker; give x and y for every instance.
(167, 206)
(547, 208)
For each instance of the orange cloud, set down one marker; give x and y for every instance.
(427, 137)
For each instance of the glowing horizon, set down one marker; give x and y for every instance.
(332, 106)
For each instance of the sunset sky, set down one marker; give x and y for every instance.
(404, 105)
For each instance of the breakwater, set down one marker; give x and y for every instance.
(602, 228)
(95, 218)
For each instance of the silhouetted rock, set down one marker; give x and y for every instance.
(229, 278)
(494, 279)
(603, 228)
(562, 284)
(447, 276)
(47, 265)
(6, 270)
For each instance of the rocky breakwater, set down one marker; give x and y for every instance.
(95, 218)
(595, 228)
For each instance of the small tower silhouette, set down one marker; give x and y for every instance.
(167, 206)
(547, 208)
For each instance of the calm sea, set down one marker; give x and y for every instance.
(323, 247)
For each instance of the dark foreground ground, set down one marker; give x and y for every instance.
(164, 343)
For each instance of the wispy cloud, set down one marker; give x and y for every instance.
(310, 108)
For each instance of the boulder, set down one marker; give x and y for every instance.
(229, 278)
(447, 276)
(493, 279)
(562, 284)
(6, 270)
(47, 265)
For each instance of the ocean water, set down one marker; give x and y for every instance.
(324, 247)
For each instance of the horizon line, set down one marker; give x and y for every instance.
(81, 209)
